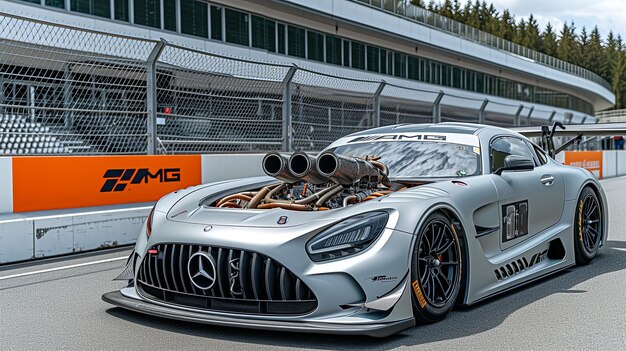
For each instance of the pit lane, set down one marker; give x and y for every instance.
(55, 304)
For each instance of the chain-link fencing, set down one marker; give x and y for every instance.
(70, 90)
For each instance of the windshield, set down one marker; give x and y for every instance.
(419, 159)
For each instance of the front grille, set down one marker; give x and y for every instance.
(243, 281)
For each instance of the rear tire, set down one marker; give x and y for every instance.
(588, 226)
(435, 269)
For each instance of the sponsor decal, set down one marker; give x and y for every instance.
(590, 160)
(282, 220)
(399, 137)
(462, 139)
(418, 293)
(383, 278)
(86, 181)
(117, 179)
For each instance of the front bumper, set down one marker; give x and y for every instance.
(375, 329)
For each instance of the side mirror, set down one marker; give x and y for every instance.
(516, 163)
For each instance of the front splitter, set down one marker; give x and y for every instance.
(378, 330)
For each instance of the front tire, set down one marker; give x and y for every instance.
(435, 269)
(588, 226)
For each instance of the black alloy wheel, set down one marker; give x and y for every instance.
(436, 269)
(588, 226)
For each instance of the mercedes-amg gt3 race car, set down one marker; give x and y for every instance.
(383, 229)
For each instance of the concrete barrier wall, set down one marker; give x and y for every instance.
(51, 232)
(46, 229)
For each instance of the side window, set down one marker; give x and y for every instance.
(504, 146)
(541, 155)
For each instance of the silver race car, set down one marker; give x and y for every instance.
(384, 229)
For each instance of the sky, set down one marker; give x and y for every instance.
(606, 14)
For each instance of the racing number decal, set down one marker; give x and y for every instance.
(514, 220)
(418, 293)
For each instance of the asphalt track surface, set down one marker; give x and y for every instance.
(55, 304)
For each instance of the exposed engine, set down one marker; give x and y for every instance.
(314, 184)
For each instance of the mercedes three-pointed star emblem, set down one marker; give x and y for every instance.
(201, 269)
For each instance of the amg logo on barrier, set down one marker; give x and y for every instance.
(118, 179)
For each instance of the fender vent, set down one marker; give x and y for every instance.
(512, 268)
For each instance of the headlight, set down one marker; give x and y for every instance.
(348, 237)
(149, 222)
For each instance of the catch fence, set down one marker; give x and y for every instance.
(73, 90)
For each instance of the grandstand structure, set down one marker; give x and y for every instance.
(188, 76)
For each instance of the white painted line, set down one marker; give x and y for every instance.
(64, 267)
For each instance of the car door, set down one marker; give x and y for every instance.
(530, 201)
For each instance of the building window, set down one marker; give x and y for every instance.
(263, 33)
(148, 13)
(53, 3)
(100, 8)
(169, 14)
(194, 18)
(333, 50)
(315, 46)
(216, 23)
(281, 38)
(373, 54)
(383, 61)
(237, 27)
(456, 77)
(295, 41)
(358, 55)
(121, 10)
(413, 72)
(445, 75)
(346, 53)
(399, 64)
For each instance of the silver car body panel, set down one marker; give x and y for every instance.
(347, 295)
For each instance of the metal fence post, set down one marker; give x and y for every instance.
(379, 91)
(481, 112)
(437, 107)
(287, 123)
(532, 109)
(151, 96)
(517, 114)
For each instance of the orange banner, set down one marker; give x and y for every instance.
(50, 183)
(591, 160)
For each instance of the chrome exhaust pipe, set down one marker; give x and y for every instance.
(305, 167)
(277, 165)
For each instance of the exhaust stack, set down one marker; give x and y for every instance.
(304, 167)
(348, 170)
(277, 165)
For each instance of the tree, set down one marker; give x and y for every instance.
(594, 58)
(533, 38)
(506, 26)
(567, 44)
(549, 40)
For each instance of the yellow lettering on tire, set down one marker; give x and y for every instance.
(580, 221)
(418, 293)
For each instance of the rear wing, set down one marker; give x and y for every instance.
(576, 131)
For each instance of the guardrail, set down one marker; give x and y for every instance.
(414, 13)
